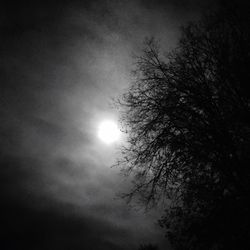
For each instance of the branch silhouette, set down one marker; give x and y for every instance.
(186, 115)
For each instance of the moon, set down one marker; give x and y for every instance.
(108, 131)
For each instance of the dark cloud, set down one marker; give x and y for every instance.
(26, 228)
(60, 64)
(181, 5)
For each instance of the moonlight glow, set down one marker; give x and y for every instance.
(108, 131)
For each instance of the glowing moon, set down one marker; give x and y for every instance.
(108, 131)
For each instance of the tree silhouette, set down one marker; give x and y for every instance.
(187, 119)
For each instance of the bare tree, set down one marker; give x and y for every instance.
(187, 119)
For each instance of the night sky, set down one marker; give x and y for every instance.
(61, 64)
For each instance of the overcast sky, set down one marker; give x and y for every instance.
(60, 65)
